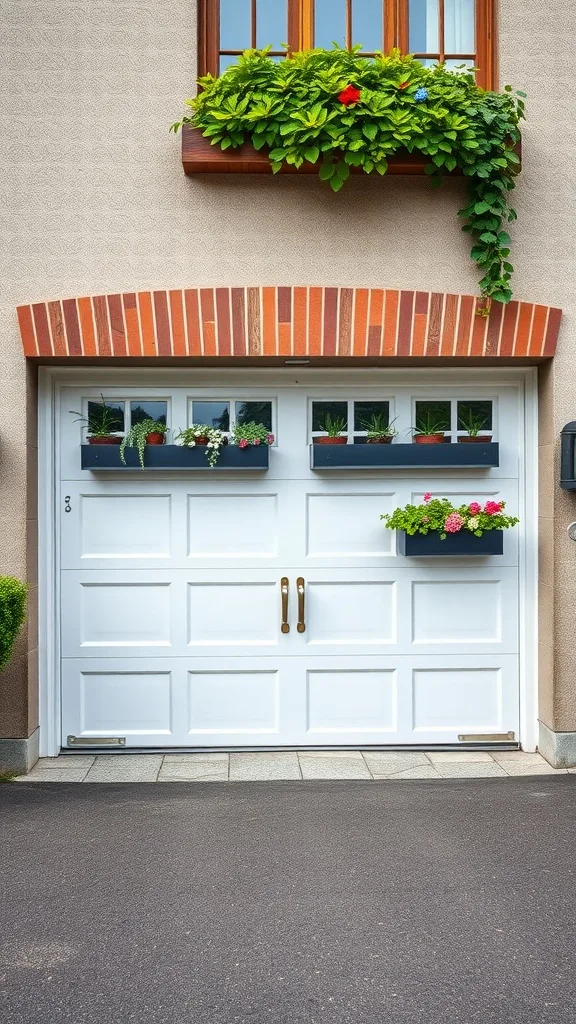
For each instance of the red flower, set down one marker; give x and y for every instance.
(349, 95)
(404, 85)
(492, 508)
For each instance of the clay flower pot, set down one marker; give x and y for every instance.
(201, 440)
(429, 438)
(154, 438)
(379, 440)
(105, 440)
(479, 439)
(330, 440)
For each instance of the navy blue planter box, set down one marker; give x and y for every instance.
(174, 456)
(462, 544)
(404, 456)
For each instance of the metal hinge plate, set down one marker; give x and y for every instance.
(96, 741)
(487, 737)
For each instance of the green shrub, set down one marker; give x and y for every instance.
(13, 595)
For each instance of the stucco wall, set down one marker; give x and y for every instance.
(94, 200)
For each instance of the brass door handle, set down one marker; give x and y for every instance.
(300, 584)
(285, 590)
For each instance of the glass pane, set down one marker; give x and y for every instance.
(371, 415)
(474, 416)
(142, 410)
(329, 23)
(432, 417)
(212, 414)
(271, 23)
(456, 65)
(235, 24)
(423, 26)
(459, 26)
(255, 412)
(107, 418)
(324, 411)
(367, 24)
(225, 62)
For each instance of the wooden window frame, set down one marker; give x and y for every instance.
(300, 32)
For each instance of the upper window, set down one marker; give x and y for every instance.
(452, 31)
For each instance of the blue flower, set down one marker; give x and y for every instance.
(421, 95)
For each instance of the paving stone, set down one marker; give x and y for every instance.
(116, 773)
(355, 755)
(459, 756)
(201, 771)
(476, 770)
(532, 768)
(333, 768)
(196, 756)
(383, 764)
(262, 767)
(129, 759)
(503, 756)
(74, 764)
(422, 771)
(54, 775)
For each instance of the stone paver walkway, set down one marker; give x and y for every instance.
(289, 765)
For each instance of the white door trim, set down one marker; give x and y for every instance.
(52, 379)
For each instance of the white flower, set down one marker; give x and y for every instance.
(473, 523)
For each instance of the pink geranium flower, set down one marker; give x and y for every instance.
(243, 443)
(427, 497)
(256, 441)
(270, 439)
(454, 523)
(475, 508)
(492, 508)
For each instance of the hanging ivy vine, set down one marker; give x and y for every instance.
(340, 110)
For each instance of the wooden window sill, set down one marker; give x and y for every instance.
(199, 157)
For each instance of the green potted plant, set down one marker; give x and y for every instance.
(13, 594)
(246, 435)
(209, 437)
(141, 434)
(379, 430)
(437, 527)
(99, 424)
(333, 427)
(428, 430)
(473, 425)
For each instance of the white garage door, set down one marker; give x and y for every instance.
(171, 596)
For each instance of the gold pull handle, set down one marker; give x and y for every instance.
(300, 583)
(285, 589)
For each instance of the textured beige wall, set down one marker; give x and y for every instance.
(94, 200)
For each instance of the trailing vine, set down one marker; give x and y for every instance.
(340, 110)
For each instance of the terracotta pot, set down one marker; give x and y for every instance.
(330, 440)
(428, 438)
(105, 440)
(201, 440)
(479, 439)
(379, 440)
(154, 438)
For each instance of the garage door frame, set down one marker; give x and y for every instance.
(52, 379)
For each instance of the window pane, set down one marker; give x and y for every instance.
(271, 23)
(109, 418)
(456, 65)
(371, 415)
(329, 23)
(432, 417)
(367, 24)
(212, 414)
(235, 24)
(255, 412)
(322, 410)
(459, 26)
(225, 62)
(140, 411)
(423, 26)
(475, 416)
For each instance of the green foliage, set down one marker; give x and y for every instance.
(473, 424)
(426, 425)
(291, 108)
(378, 426)
(432, 516)
(100, 422)
(333, 425)
(211, 437)
(246, 434)
(136, 437)
(13, 595)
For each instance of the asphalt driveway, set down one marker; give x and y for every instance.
(291, 903)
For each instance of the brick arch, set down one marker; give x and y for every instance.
(272, 322)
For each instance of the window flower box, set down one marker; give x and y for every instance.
(254, 458)
(461, 545)
(404, 456)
